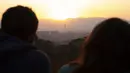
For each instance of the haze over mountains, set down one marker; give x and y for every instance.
(62, 32)
(71, 24)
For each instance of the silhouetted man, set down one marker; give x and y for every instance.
(17, 54)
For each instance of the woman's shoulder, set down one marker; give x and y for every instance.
(64, 69)
(68, 68)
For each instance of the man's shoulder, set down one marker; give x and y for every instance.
(29, 51)
(37, 54)
(39, 60)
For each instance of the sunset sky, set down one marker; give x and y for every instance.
(62, 9)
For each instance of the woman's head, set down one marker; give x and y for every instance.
(107, 48)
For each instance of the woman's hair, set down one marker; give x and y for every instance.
(108, 48)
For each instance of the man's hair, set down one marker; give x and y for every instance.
(19, 21)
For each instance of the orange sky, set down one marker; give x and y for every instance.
(62, 9)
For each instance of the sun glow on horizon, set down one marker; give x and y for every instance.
(64, 9)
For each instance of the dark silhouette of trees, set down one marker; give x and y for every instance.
(74, 48)
(60, 54)
(45, 45)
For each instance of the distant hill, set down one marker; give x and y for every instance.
(60, 38)
(72, 24)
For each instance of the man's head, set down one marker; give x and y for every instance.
(21, 22)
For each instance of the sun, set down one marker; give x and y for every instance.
(61, 14)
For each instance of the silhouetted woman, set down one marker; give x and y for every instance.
(107, 49)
